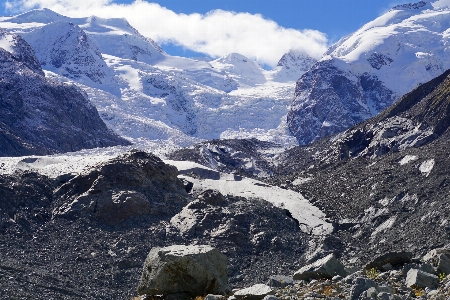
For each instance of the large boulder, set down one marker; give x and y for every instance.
(327, 267)
(421, 279)
(184, 271)
(130, 185)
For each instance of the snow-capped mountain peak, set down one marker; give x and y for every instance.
(293, 65)
(64, 48)
(242, 69)
(115, 36)
(44, 16)
(367, 71)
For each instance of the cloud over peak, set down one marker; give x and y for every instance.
(216, 33)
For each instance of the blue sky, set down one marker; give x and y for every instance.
(260, 29)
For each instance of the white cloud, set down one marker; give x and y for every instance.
(441, 4)
(216, 33)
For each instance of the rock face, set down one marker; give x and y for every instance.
(236, 221)
(327, 267)
(184, 271)
(417, 119)
(128, 186)
(403, 155)
(40, 116)
(329, 100)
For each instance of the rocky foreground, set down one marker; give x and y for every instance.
(182, 272)
(87, 236)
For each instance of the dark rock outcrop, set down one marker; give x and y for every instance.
(131, 185)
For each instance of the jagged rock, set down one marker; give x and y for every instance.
(393, 258)
(374, 291)
(360, 285)
(185, 271)
(280, 281)
(416, 277)
(327, 267)
(255, 292)
(440, 258)
(134, 184)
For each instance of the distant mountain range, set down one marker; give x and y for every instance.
(144, 94)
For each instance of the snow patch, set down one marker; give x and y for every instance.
(407, 159)
(6, 42)
(426, 167)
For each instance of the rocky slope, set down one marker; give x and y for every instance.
(41, 116)
(367, 71)
(383, 182)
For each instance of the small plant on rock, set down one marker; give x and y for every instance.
(442, 276)
(372, 273)
(418, 291)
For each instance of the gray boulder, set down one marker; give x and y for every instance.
(440, 258)
(184, 271)
(255, 292)
(426, 267)
(443, 265)
(421, 279)
(393, 258)
(327, 267)
(361, 285)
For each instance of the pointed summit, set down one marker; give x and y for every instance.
(243, 70)
(44, 15)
